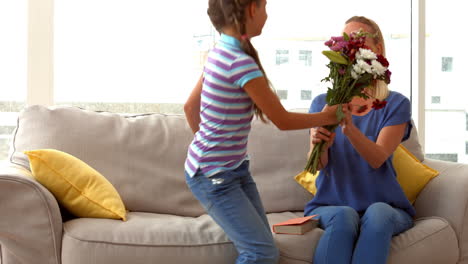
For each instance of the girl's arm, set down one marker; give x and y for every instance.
(192, 106)
(260, 92)
(375, 153)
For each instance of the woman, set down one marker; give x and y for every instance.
(359, 201)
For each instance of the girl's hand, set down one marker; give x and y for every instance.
(332, 110)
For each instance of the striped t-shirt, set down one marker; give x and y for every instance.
(226, 110)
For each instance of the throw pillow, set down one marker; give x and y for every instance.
(79, 188)
(412, 175)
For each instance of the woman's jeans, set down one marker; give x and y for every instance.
(350, 238)
(232, 200)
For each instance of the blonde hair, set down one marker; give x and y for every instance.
(379, 88)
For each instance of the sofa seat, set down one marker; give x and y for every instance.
(162, 238)
(411, 246)
(146, 238)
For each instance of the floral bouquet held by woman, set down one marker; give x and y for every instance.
(353, 66)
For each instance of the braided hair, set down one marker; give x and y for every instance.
(232, 13)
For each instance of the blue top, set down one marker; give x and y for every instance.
(347, 179)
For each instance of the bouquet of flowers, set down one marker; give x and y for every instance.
(353, 66)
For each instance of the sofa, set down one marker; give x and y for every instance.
(143, 157)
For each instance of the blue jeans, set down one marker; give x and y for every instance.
(232, 200)
(350, 238)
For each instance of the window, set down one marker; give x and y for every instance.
(297, 46)
(445, 120)
(435, 99)
(447, 64)
(282, 57)
(13, 69)
(136, 64)
(282, 94)
(305, 56)
(306, 95)
(444, 156)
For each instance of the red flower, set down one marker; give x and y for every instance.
(388, 74)
(362, 109)
(382, 60)
(377, 104)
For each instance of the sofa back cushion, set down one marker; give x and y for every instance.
(143, 156)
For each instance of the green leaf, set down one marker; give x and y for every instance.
(345, 36)
(335, 56)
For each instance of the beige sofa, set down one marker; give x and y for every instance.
(143, 156)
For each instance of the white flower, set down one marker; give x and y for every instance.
(354, 75)
(365, 54)
(357, 69)
(377, 68)
(365, 67)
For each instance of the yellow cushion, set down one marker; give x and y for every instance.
(411, 174)
(78, 187)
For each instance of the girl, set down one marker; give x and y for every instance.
(360, 203)
(219, 110)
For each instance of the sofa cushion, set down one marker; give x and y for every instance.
(79, 188)
(141, 156)
(412, 143)
(276, 157)
(146, 238)
(418, 244)
(412, 174)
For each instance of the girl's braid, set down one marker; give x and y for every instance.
(232, 12)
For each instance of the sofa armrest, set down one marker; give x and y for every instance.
(446, 196)
(30, 219)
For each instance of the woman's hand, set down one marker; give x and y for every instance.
(347, 125)
(320, 134)
(317, 135)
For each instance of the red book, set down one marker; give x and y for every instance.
(296, 226)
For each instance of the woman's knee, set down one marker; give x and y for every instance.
(379, 210)
(346, 219)
(378, 216)
(348, 215)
